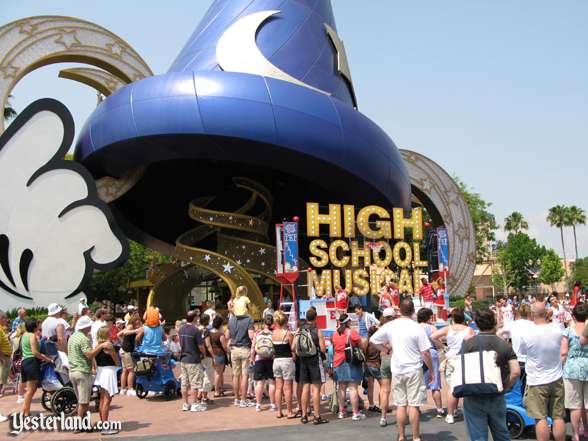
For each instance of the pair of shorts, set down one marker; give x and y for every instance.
(409, 389)
(576, 394)
(385, 369)
(545, 400)
(284, 368)
(220, 360)
(31, 369)
(450, 368)
(192, 375)
(264, 370)
(311, 370)
(374, 372)
(5, 365)
(126, 359)
(240, 360)
(82, 385)
(348, 373)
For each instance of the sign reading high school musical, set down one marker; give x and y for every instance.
(365, 248)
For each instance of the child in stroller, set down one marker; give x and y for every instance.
(58, 394)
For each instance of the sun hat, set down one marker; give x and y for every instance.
(83, 322)
(53, 309)
(389, 312)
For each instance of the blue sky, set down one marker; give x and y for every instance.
(495, 92)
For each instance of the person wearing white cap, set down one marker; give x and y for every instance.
(80, 355)
(130, 311)
(53, 331)
(82, 306)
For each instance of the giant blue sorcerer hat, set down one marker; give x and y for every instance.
(261, 89)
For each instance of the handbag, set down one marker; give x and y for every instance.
(17, 358)
(353, 354)
(476, 373)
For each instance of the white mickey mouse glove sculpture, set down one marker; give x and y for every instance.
(53, 228)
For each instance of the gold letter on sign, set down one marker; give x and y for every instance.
(314, 220)
(356, 253)
(405, 283)
(415, 222)
(416, 260)
(383, 229)
(335, 245)
(402, 263)
(316, 249)
(322, 284)
(348, 279)
(360, 285)
(349, 220)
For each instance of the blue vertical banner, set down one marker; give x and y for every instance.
(290, 247)
(443, 251)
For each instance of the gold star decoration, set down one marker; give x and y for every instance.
(116, 49)
(27, 28)
(68, 39)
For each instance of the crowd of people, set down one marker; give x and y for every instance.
(284, 366)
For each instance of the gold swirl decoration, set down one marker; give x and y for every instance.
(440, 193)
(241, 238)
(34, 42)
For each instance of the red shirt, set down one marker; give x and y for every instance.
(427, 293)
(341, 300)
(340, 341)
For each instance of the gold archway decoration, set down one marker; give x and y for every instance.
(442, 191)
(33, 42)
(101, 80)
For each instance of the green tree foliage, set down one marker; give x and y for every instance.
(518, 261)
(580, 271)
(576, 216)
(114, 285)
(484, 221)
(515, 223)
(552, 271)
(9, 112)
(558, 217)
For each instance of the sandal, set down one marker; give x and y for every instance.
(304, 420)
(298, 414)
(319, 420)
(292, 417)
(279, 416)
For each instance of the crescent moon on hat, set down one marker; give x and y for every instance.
(237, 51)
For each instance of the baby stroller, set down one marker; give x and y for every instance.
(517, 420)
(154, 373)
(58, 394)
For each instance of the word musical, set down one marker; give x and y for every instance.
(364, 267)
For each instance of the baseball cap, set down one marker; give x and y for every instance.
(389, 312)
(53, 309)
(130, 307)
(83, 322)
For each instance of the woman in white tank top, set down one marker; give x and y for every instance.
(454, 335)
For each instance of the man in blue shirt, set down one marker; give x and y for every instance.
(365, 321)
(19, 319)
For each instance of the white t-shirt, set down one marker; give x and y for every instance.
(542, 348)
(81, 307)
(517, 330)
(507, 314)
(560, 316)
(49, 327)
(94, 330)
(210, 313)
(407, 339)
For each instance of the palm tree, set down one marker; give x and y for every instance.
(576, 216)
(9, 112)
(515, 223)
(558, 217)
